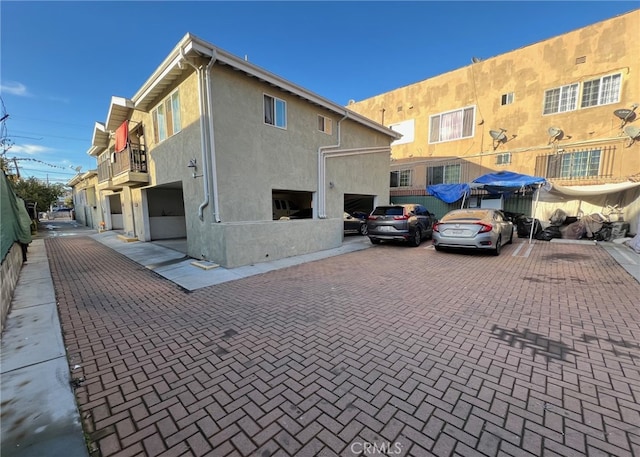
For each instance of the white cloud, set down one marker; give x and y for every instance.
(14, 88)
(30, 149)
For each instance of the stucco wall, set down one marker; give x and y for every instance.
(245, 243)
(252, 160)
(598, 50)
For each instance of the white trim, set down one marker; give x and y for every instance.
(194, 45)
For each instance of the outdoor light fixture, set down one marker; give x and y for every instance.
(194, 165)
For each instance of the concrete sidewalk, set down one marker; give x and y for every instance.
(39, 413)
(178, 268)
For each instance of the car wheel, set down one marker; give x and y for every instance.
(364, 229)
(374, 241)
(416, 239)
(437, 248)
(496, 251)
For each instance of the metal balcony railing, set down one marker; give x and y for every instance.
(578, 164)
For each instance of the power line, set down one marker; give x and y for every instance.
(31, 159)
(50, 121)
(48, 172)
(45, 135)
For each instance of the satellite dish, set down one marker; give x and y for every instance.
(632, 132)
(498, 135)
(554, 134)
(626, 115)
(475, 59)
(351, 102)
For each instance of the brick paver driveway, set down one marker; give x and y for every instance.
(390, 350)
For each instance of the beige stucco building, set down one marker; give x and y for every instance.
(554, 109)
(85, 204)
(210, 143)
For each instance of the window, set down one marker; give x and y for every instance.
(401, 178)
(580, 164)
(275, 112)
(446, 174)
(325, 124)
(507, 99)
(503, 159)
(601, 91)
(452, 125)
(561, 99)
(166, 118)
(406, 129)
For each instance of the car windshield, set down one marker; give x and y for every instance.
(388, 211)
(472, 215)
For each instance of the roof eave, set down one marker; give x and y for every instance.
(120, 110)
(191, 45)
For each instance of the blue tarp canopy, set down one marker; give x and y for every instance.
(505, 181)
(495, 183)
(449, 193)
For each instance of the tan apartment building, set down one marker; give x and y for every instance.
(565, 109)
(85, 204)
(211, 145)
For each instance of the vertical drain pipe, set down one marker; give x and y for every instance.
(321, 170)
(203, 144)
(212, 144)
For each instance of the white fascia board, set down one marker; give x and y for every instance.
(99, 130)
(163, 69)
(95, 151)
(73, 181)
(118, 101)
(89, 173)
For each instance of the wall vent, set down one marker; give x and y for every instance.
(582, 59)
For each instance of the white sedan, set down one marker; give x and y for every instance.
(473, 228)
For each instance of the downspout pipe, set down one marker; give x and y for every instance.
(321, 173)
(203, 126)
(212, 143)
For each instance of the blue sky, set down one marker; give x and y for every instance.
(61, 62)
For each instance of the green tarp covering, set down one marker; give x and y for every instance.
(15, 223)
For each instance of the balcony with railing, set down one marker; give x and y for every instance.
(586, 166)
(105, 173)
(130, 166)
(124, 168)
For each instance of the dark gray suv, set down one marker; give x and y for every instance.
(408, 222)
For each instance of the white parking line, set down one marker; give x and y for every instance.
(520, 246)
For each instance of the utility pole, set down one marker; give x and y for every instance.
(15, 163)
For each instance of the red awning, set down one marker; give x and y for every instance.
(122, 136)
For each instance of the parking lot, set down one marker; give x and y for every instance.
(389, 350)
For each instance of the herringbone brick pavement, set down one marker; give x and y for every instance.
(394, 350)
